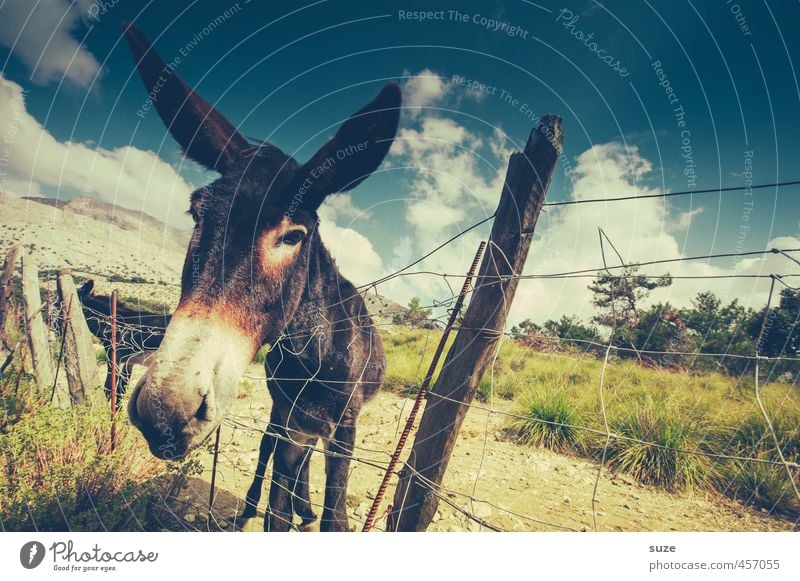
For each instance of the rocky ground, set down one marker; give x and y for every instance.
(512, 487)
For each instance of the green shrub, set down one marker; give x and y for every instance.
(547, 420)
(753, 437)
(485, 390)
(57, 472)
(658, 444)
(762, 485)
(409, 354)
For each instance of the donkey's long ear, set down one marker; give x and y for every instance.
(205, 135)
(356, 150)
(87, 288)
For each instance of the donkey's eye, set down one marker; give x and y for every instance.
(293, 237)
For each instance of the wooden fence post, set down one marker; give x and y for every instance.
(527, 179)
(6, 291)
(113, 370)
(37, 331)
(79, 358)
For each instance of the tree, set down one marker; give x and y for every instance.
(619, 296)
(571, 330)
(415, 315)
(781, 337)
(524, 329)
(661, 328)
(717, 328)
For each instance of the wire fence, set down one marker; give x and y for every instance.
(463, 499)
(140, 336)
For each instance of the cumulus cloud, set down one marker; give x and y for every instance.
(422, 90)
(641, 231)
(354, 254)
(40, 35)
(455, 179)
(34, 161)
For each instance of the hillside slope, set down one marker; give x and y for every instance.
(130, 251)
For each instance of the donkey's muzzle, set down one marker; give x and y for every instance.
(171, 435)
(190, 386)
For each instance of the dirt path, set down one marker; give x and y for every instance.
(524, 489)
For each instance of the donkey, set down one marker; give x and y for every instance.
(257, 272)
(139, 334)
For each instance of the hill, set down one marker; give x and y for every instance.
(137, 254)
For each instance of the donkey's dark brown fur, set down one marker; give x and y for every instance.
(257, 272)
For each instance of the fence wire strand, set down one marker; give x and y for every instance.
(137, 338)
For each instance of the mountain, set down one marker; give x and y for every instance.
(130, 251)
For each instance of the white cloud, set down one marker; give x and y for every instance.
(685, 219)
(40, 35)
(455, 180)
(354, 254)
(422, 90)
(642, 231)
(127, 176)
(341, 207)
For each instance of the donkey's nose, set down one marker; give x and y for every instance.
(204, 412)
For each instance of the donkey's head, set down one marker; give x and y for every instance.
(87, 289)
(248, 259)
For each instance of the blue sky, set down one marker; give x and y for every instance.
(289, 72)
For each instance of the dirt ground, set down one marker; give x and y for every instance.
(515, 488)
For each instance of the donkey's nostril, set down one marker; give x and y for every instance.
(202, 412)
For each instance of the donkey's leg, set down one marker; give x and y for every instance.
(337, 466)
(268, 442)
(286, 468)
(303, 505)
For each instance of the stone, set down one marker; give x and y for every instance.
(481, 510)
(361, 510)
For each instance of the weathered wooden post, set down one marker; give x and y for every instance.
(113, 370)
(6, 291)
(37, 331)
(527, 179)
(79, 359)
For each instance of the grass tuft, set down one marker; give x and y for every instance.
(548, 420)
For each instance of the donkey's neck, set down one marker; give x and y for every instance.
(328, 305)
